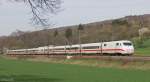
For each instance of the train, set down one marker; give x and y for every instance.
(122, 47)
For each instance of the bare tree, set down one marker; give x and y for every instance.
(40, 10)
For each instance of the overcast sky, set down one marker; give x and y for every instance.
(17, 15)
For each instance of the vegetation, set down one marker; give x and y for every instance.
(40, 9)
(68, 35)
(142, 51)
(27, 71)
(80, 29)
(142, 48)
(126, 28)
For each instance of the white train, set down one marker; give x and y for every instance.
(123, 47)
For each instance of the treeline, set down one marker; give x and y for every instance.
(126, 28)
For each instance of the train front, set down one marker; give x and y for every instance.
(128, 48)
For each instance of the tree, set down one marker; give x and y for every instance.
(47, 36)
(80, 28)
(55, 35)
(40, 9)
(141, 22)
(119, 22)
(118, 25)
(68, 34)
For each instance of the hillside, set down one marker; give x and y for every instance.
(117, 29)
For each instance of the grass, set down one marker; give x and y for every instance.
(29, 71)
(143, 51)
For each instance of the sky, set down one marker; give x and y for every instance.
(16, 16)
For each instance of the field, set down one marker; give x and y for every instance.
(145, 50)
(31, 71)
(142, 51)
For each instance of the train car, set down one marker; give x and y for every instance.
(123, 47)
(22, 51)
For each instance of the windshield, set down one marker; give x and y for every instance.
(127, 44)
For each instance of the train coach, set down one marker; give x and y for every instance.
(123, 47)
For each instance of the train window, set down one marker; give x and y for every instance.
(74, 48)
(59, 49)
(68, 48)
(91, 47)
(117, 44)
(105, 44)
(127, 44)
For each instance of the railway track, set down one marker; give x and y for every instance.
(123, 58)
(98, 57)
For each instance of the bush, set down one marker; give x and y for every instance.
(141, 43)
(138, 43)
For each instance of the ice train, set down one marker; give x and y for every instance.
(123, 47)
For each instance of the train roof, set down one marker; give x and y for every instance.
(68, 46)
(77, 45)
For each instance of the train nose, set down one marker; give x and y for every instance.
(131, 50)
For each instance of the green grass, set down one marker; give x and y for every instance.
(27, 71)
(143, 51)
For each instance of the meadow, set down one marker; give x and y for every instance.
(142, 51)
(33, 71)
